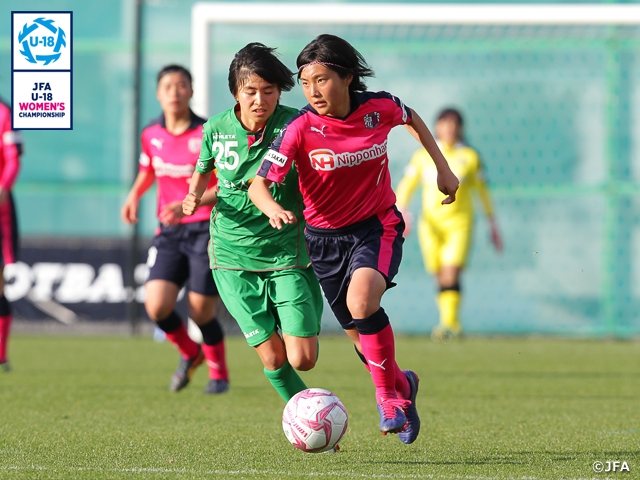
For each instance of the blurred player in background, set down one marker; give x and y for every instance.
(10, 151)
(445, 231)
(170, 146)
(354, 232)
(264, 275)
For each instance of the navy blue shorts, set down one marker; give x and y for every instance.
(8, 232)
(179, 253)
(337, 253)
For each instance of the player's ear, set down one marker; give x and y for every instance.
(348, 79)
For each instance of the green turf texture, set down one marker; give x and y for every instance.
(85, 407)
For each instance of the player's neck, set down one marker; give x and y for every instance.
(250, 125)
(177, 124)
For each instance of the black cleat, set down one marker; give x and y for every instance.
(185, 370)
(216, 386)
(5, 366)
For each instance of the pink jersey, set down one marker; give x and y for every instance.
(10, 149)
(342, 163)
(172, 160)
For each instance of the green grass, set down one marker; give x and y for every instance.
(78, 407)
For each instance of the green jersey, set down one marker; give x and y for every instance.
(241, 236)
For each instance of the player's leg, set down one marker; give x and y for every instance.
(375, 262)
(245, 296)
(453, 257)
(203, 306)
(431, 245)
(280, 373)
(8, 250)
(449, 299)
(168, 271)
(296, 299)
(160, 305)
(202, 310)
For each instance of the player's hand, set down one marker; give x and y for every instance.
(129, 211)
(171, 214)
(281, 217)
(448, 184)
(190, 204)
(496, 239)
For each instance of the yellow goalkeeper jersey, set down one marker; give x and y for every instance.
(465, 164)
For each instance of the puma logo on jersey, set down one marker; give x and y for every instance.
(320, 131)
(379, 365)
(157, 142)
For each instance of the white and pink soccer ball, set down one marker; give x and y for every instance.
(314, 420)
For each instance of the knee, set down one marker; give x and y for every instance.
(157, 310)
(272, 361)
(360, 306)
(303, 363)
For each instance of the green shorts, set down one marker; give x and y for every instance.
(261, 302)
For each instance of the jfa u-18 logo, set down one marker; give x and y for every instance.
(42, 41)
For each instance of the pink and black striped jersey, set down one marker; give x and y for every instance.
(10, 149)
(342, 163)
(172, 159)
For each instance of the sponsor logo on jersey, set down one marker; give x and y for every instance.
(195, 144)
(164, 169)
(251, 334)
(371, 120)
(157, 142)
(326, 159)
(276, 157)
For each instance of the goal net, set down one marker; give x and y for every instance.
(551, 99)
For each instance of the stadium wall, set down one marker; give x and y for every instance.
(553, 110)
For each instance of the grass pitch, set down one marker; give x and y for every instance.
(78, 407)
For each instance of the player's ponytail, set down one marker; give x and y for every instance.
(338, 55)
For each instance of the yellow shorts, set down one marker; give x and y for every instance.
(444, 244)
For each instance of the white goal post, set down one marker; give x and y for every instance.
(205, 14)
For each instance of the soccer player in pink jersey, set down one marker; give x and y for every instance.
(10, 151)
(170, 148)
(354, 231)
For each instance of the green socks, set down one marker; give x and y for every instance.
(286, 381)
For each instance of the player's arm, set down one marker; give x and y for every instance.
(142, 183)
(447, 181)
(407, 187)
(11, 143)
(487, 206)
(260, 195)
(198, 193)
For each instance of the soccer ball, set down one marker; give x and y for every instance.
(314, 420)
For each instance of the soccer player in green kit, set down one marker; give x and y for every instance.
(263, 275)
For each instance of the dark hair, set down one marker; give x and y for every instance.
(451, 113)
(175, 69)
(338, 55)
(256, 58)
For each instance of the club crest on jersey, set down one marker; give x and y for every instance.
(195, 144)
(371, 120)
